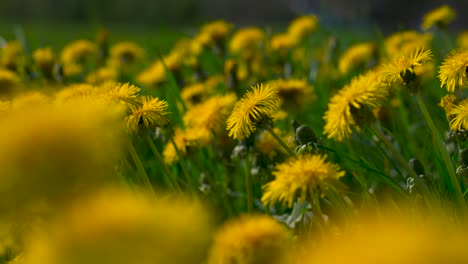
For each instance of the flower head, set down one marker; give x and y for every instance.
(452, 73)
(462, 40)
(302, 27)
(250, 240)
(152, 113)
(11, 55)
(123, 93)
(253, 110)
(217, 30)
(293, 92)
(247, 42)
(78, 51)
(401, 69)
(126, 53)
(102, 75)
(402, 43)
(8, 79)
(459, 114)
(440, 17)
(356, 57)
(300, 176)
(44, 59)
(351, 104)
(281, 43)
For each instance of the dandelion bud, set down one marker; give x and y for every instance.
(416, 166)
(304, 135)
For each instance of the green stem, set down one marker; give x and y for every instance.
(445, 157)
(170, 178)
(248, 185)
(182, 165)
(280, 141)
(139, 165)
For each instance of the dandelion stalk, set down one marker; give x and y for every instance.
(170, 178)
(248, 185)
(182, 165)
(139, 165)
(445, 157)
(280, 141)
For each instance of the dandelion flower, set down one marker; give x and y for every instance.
(217, 30)
(356, 57)
(76, 91)
(401, 69)
(404, 42)
(123, 93)
(447, 103)
(181, 142)
(8, 80)
(78, 52)
(152, 113)
(247, 42)
(250, 240)
(459, 113)
(348, 107)
(440, 17)
(124, 227)
(253, 110)
(462, 40)
(294, 93)
(44, 59)
(299, 177)
(302, 27)
(102, 75)
(281, 43)
(12, 55)
(195, 93)
(452, 73)
(126, 52)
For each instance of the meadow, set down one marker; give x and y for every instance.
(298, 143)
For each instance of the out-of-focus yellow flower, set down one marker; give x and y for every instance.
(439, 17)
(195, 93)
(210, 115)
(116, 226)
(126, 52)
(77, 91)
(152, 113)
(459, 113)
(404, 42)
(448, 102)
(357, 57)
(72, 69)
(300, 177)
(8, 80)
(302, 27)
(156, 73)
(78, 52)
(452, 72)
(251, 239)
(268, 145)
(247, 42)
(29, 100)
(217, 30)
(282, 43)
(44, 59)
(12, 54)
(462, 40)
(55, 153)
(401, 70)
(350, 106)
(294, 93)
(252, 111)
(122, 93)
(181, 142)
(102, 75)
(401, 237)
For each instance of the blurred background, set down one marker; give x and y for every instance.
(383, 13)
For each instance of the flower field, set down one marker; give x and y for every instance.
(237, 144)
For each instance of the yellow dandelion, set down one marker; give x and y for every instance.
(448, 102)
(217, 30)
(153, 75)
(152, 113)
(299, 177)
(123, 227)
(72, 69)
(452, 72)
(302, 27)
(8, 80)
(102, 75)
(76, 91)
(459, 112)
(247, 42)
(44, 59)
(281, 43)
(170, 153)
(294, 93)
(347, 109)
(195, 93)
(126, 52)
(78, 52)
(123, 93)
(253, 110)
(211, 113)
(268, 145)
(462, 40)
(401, 70)
(439, 17)
(251, 239)
(11, 55)
(357, 57)
(404, 42)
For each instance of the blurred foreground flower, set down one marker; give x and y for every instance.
(300, 177)
(256, 239)
(122, 227)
